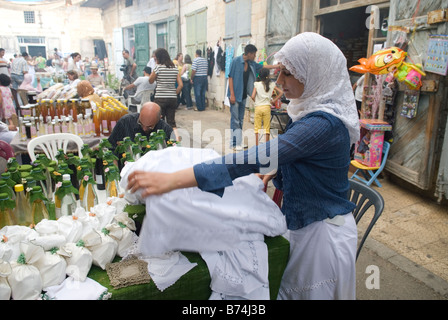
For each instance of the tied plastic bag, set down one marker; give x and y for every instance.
(104, 251)
(25, 279)
(52, 266)
(5, 289)
(128, 238)
(10, 238)
(70, 228)
(118, 203)
(47, 235)
(80, 258)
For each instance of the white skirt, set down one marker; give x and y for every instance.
(322, 260)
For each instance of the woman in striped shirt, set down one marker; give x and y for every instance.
(166, 74)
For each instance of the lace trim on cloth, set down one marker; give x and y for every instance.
(127, 273)
(310, 287)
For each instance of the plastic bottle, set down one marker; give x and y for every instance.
(97, 122)
(22, 130)
(90, 197)
(38, 209)
(80, 126)
(66, 194)
(6, 211)
(22, 211)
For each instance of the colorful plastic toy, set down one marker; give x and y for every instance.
(391, 60)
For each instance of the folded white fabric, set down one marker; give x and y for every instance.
(71, 289)
(166, 269)
(193, 220)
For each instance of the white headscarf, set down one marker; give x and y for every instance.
(319, 64)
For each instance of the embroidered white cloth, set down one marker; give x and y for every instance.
(166, 269)
(193, 220)
(71, 289)
(321, 66)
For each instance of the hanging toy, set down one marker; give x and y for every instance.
(391, 60)
(381, 62)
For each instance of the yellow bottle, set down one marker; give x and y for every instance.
(6, 211)
(38, 209)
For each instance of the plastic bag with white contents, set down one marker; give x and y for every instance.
(25, 279)
(5, 289)
(52, 267)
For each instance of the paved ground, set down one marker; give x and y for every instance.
(409, 243)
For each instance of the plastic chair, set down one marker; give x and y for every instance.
(365, 197)
(371, 173)
(6, 150)
(50, 143)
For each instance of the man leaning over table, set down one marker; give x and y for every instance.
(147, 121)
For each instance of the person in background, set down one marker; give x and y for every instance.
(27, 84)
(131, 66)
(86, 91)
(73, 63)
(199, 79)
(147, 121)
(262, 96)
(141, 84)
(242, 75)
(41, 62)
(95, 79)
(167, 75)
(179, 63)
(4, 64)
(359, 92)
(19, 68)
(186, 77)
(7, 110)
(312, 159)
(31, 66)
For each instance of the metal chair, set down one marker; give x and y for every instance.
(371, 173)
(365, 197)
(51, 143)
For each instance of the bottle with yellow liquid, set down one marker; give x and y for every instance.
(6, 211)
(90, 197)
(113, 188)
(38, 208)
(22, 211)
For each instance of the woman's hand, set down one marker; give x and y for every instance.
(157, 183)
(267, 177)
(151, 183)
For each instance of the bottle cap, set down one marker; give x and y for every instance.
(36, 189)
(4, 196)
(18, 187)
(66, 177)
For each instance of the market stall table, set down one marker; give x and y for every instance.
(20, 147)
(195, 285)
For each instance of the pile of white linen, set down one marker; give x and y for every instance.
(228, 232)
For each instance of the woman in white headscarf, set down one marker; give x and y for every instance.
(311, 160)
